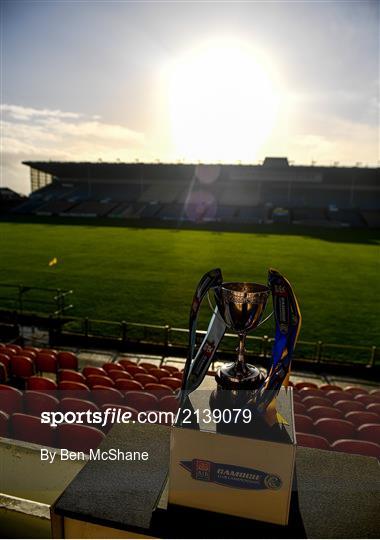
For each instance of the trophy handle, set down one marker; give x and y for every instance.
(287, 326)
(265, 320)
(210, 279)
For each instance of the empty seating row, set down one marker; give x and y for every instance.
(342, 401)
(334, 429)
(25, 427)
(20, 363)
(355, 390)
(13, 400)
(350, 446)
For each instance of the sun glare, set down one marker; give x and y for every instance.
(223, 104)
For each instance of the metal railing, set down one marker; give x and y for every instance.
(125, 335)
(167, 336)
(23, 298)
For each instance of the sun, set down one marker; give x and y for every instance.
(223, 103)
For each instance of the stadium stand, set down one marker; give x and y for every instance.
(9, 199)
(222, 194)
(372, 218)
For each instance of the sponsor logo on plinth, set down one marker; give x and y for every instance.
(231, 475)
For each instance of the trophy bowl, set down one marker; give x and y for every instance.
(241, 306)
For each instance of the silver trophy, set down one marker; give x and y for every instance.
(241, 306)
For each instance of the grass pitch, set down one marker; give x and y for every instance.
(149, 275)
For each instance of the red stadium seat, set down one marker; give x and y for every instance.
(310, 401)
(32, 349)
(4, 424)
(296, 397)
(11, 400)
(9, 351)
(41, 383)
(73, 389)
(71, 375)
(93, 370)
(375, 392)
(79, 438)
(355, 390)
(3, 374)
(29, 428)
(312, 441)
(21, 367)
(367, 399)
(141, 401)
(159, 390)
(159, 373)
(337, 395)
(112, 366)
(304, 384)
(299, 408)
(145, 378)
(67, 360)
(126, 362)
(123, 409)
(173, 382)
(16, 348)
(313, 392)
(373, 407)
(324, 412)
(54, 352)
(346, 405)
(116, 374)
(334, 428)
(103, 394)
(46, 363)
(6, 360)
(134, 370)
(37, 402)
(169, 404)
(77, 405)
(148, 365)
(369, 432)
(354, 446)
(173, 370)
(99, 380)
(303, 423)
(29, 354)
(327, 387)
(126, 385)
(358, 418)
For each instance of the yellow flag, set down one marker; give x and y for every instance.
(53, 262)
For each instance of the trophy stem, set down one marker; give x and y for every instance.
(240, 361)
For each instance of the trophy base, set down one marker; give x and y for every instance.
(238, 376)
(236, 381)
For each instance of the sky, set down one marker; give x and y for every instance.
(188, 81)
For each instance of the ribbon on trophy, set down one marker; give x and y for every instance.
(197, 367)
(287, 326)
